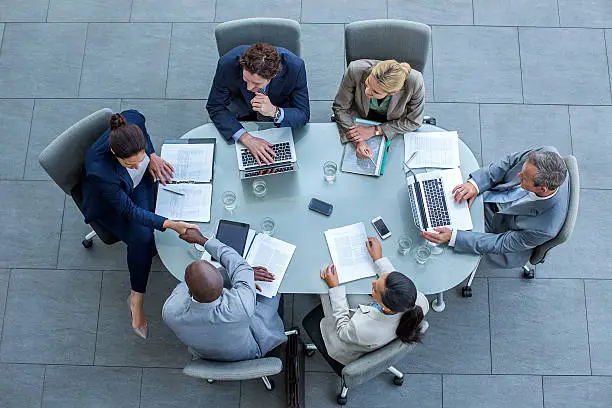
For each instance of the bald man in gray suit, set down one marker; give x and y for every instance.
(218, 323)
(526, 198)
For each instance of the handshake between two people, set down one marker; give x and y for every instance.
(330, 274)
(194, 236)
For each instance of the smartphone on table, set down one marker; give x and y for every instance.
(381, 228)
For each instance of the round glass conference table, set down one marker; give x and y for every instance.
(356, 198)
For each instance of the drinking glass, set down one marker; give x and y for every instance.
(330, 169)
(197, 251)
(436, 249)
(422, 253)
(404, 244)
(259, 188)
(267, 226)
(229, 201)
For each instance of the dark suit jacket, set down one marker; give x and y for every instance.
(107, 186)
(287, 90)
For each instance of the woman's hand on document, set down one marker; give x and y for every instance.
(330, 276)
(374, 248)
(363, 151)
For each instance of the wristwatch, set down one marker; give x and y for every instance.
(277, 114)
(377, 131)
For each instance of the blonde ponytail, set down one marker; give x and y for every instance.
(391, 74)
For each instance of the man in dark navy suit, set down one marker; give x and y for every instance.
(258, 83)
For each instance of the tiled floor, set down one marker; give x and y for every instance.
(507, 74)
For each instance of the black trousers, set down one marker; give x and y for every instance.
(312, 326)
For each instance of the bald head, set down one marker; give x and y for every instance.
(204, 281)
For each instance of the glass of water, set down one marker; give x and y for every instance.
(259, 188)
(267, 226)
(330, 169)
(404, 244)
(229, 201)
(197, 251)
(422, 253)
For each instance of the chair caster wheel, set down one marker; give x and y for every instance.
(87, 243)
(272, 385)
(310, 353)
(341, 400)
(398, 380)
(528, 273)
(210, 381)
(466, 291)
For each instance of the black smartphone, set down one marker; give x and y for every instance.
(320, 206)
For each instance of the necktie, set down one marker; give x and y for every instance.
(506, 196)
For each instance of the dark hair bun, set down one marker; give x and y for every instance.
(116, 121)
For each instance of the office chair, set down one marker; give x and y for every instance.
(539, 253)
(64, 160)
(401, 40)
(279, 32)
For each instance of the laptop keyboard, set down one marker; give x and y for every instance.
(282, 150)
(436, 204)
(264, 172)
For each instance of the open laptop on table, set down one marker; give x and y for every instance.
(285, 160)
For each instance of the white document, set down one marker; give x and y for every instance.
(193, 205)
(352, 164)
(273, 254)
(347, 246)
(434, 149)
(191, 162)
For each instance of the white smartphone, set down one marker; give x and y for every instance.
(381, 228)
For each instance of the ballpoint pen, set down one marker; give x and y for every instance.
(172, 191)
(372, 161)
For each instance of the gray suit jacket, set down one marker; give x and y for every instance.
(513, 232)
(405, 113)
(237, 326)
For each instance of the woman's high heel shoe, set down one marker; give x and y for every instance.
(143, 333)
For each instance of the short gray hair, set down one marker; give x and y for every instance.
(550, 169)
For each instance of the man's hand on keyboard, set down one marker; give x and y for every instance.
(465, 191)
(259, 148)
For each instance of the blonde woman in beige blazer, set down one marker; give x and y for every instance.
(384, 91)
(394, 309)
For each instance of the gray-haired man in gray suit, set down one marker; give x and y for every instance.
(526, 198)
(218, 323)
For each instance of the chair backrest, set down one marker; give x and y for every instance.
(372, 364)
(539, 252)
(64, 158)
(401, 40)
(279, 32)
(233, 370)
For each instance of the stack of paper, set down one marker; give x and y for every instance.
(434, 149)
(347, 246)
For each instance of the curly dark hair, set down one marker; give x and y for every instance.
(261, 59)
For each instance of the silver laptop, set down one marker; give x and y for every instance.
(432, 201)
(282, 144)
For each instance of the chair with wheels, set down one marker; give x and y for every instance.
(539, 253)
(64, 160)
(279, 32)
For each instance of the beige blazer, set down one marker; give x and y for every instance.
(405, 113)
(348, 333)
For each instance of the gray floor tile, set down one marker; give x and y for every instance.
(126, 60)
(439, 12)
(168, 119)
(193, 45)
(15, 124)
(591, 142)
(23, 11)
(180, 10)
(422, 390)
(51, 118)
(583, 392)
(93, 387)
(512, 128)
(499, 391)
(21, 385)
(4, 279)
(320, 111)
(462, 117)
(599, 302)
(538, 327)
(117, 345)
(48, 326)
(594, 13)
(554, 62)
(253, 393)
(341, 11)
(463, 49)
(34, 244)
(41, 60)
(171, 388)
(516, 13)
(237, 9)
(323, 52)
(89, 10)
(463, 326)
